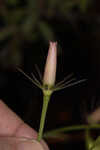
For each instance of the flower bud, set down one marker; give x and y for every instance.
(51, 64)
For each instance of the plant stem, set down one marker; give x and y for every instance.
(71, 128)
(46, 99)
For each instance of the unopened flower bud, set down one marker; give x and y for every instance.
(51, 64)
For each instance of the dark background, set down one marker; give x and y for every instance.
(26, 27)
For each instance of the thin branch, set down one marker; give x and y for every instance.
(71, 128)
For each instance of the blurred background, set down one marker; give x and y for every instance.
(26, 27)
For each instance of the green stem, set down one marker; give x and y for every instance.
(46, 99)
(71, 128)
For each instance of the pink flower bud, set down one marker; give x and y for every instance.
(51, 64)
